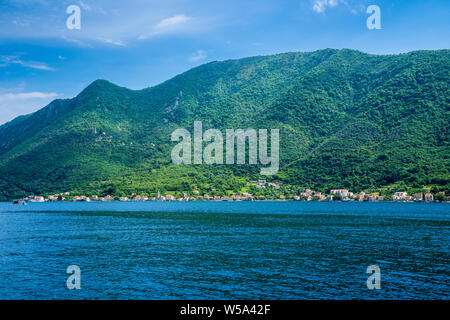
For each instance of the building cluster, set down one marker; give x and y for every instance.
(336, 195)
(195, 195)
(244, 196)
(403, 196)
(263, 184)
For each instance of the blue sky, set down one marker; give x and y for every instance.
(140, 43)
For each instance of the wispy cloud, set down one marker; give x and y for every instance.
(34, 65)
(9, 60)
(85, 6)
(199, 55)
(15, 104)
(27, 95)
(321, 5)
(27, 2)
(167, 25)
(117, 23)
(114, 42)
(77, 42)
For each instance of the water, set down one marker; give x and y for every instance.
(224, 250)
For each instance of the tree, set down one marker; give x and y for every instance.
(440, 197)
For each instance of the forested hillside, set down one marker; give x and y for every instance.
(346, 119)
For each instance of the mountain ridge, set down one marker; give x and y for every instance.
(330, 105)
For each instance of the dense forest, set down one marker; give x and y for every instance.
(347, 120)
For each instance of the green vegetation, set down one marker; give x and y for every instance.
(347, 120)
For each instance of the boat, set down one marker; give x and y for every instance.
(22, 202)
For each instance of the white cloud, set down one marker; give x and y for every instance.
(85, 6)
(13, 105)
(28, 2)
(321, 5)
(114, 42)
(21, 23)
(167, 25)
(27, 95)
(197, 56)
(8, 60)
(76, 42)
(34, 65)
(119, 22)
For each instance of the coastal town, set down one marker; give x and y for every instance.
(264, 191)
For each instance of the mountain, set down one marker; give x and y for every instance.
(346, 119)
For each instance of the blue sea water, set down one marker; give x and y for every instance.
(224, 250)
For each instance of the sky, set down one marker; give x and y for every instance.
(141, 43)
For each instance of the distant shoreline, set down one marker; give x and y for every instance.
(266, 200)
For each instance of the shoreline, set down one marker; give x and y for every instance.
(266, 200)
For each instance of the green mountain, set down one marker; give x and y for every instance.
(346, 119)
